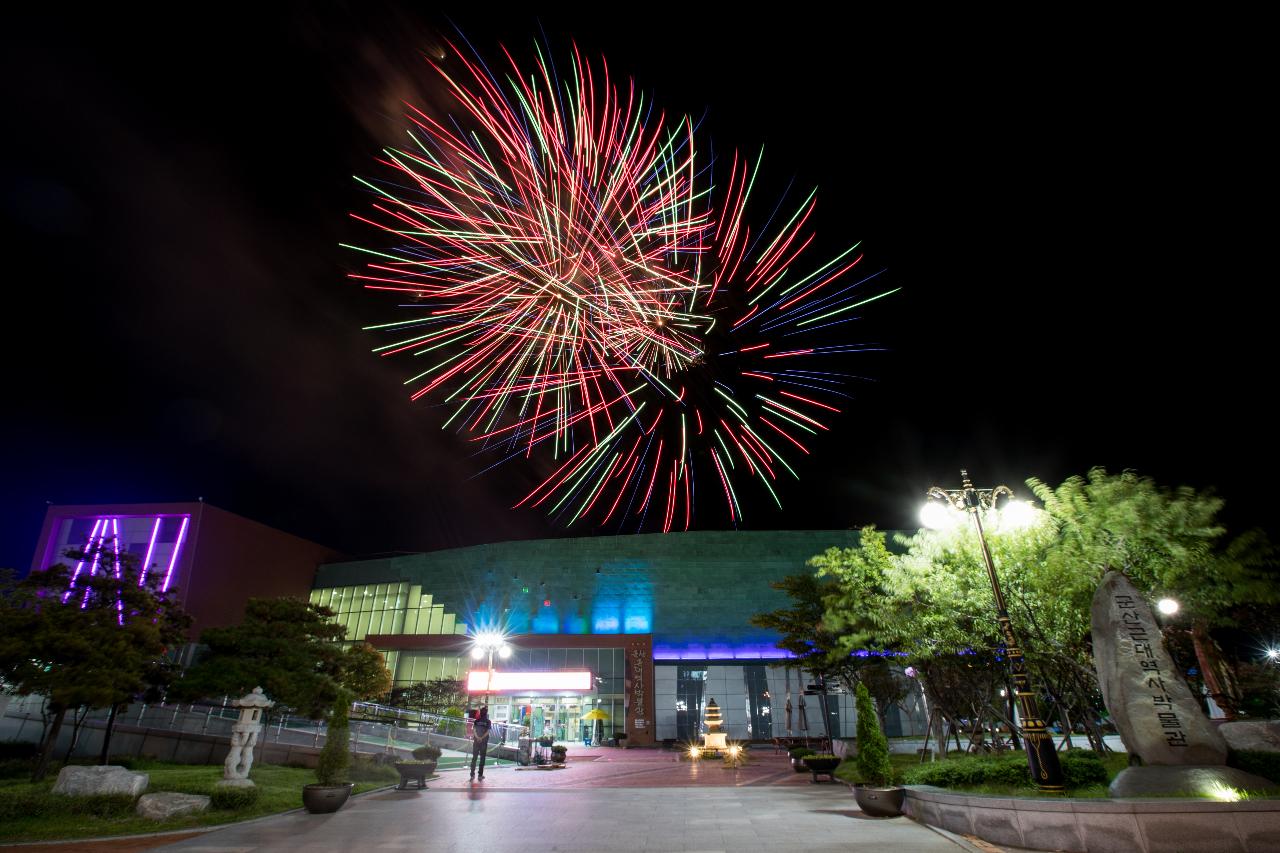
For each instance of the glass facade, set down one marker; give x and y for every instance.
(690, 686)
(387, 608)
(556, 713)
(753, 700)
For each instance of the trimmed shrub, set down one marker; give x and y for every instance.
(233, 799)
(18, 749)
(801, 751)
(971, 771)
(1256, 761)
(1082, 768)
(427, 752)
(44, 804)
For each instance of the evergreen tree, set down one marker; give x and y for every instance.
(872, 760)
(96, 641)
(286, 646)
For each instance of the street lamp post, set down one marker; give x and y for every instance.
(1042, 755)
(486, 643)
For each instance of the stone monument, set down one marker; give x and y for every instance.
(1157, 716)
(244, 735)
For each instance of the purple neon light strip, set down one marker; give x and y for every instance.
(80, 565)
(151, 546)
(177, 547)
(115, 531)
(97, 557)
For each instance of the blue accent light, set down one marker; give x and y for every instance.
(575, 624)
(546, 622)
(719, 651)
(605, 625)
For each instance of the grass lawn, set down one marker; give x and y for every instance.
(848, 772)
(280, 790)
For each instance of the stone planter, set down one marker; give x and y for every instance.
(879, 802)
(797, 764)
(822, 767)
(323, 799)
(414, 772)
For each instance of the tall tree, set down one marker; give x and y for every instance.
(1169, 542)
(286, 646)
(364, 672)
(97, 639)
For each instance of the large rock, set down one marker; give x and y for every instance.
(1260, 735)
(106, 779)
(166, 805)
(1157, 716)
(1215, 782)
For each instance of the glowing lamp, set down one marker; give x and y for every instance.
(1167, 606)
(938, 517)
(1018, 515)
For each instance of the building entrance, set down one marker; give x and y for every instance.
(558, 717)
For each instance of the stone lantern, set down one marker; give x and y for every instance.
(244, 735)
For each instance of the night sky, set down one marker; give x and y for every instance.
(179, 324)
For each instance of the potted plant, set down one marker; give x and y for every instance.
(797, 758)
(822, 764)
(876, 794)
(558, 753)
(417, 770)
(331, 789)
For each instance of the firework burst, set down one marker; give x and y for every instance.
(579, 295)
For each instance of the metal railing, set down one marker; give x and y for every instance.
(373, 728)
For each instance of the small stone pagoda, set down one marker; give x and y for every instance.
(714, 739)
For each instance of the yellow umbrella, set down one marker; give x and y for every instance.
(599, 715)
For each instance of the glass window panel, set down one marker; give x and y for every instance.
(573, 659)
(362, 627)
(397, 623)
(556, 659)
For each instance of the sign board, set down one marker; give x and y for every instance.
(527, 682)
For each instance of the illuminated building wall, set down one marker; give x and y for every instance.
(693, 592)
(211, 559)
(690, 594)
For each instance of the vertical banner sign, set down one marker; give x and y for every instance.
(638, 684)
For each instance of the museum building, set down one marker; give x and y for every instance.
(647, 628)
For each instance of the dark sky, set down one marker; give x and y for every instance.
(1062, 218)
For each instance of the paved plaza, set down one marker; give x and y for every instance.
(742, 820)
(642, 800)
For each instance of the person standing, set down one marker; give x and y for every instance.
(480, 739)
